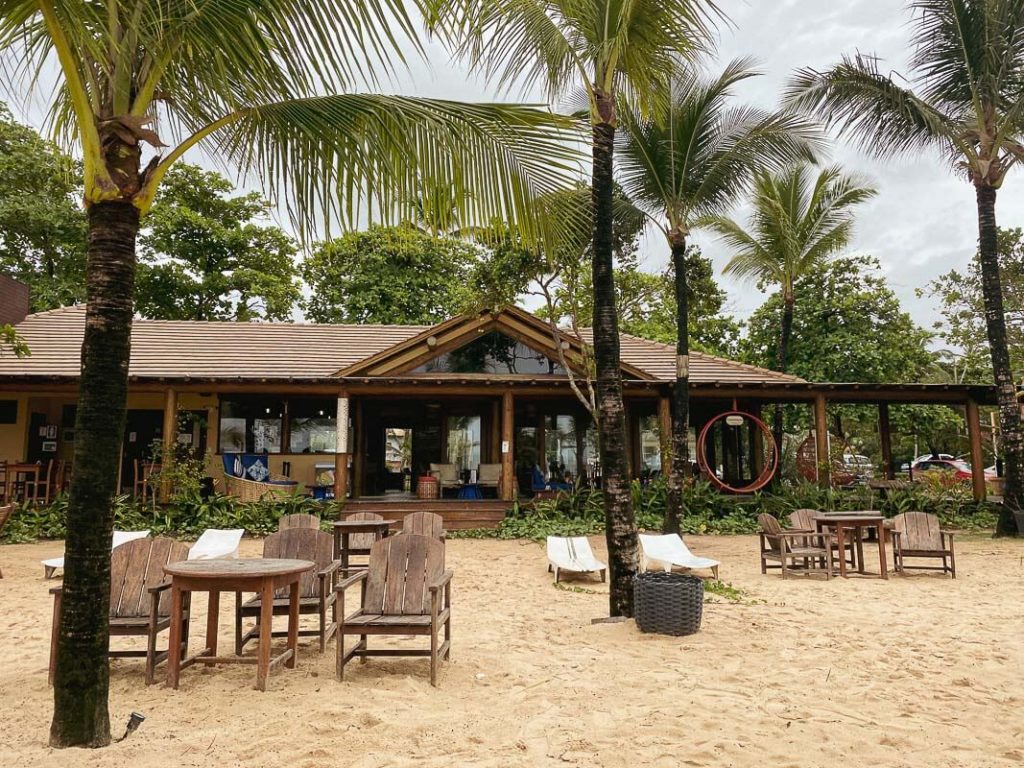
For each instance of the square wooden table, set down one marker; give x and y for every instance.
(841, 522)
(248, 574)
(343, 530)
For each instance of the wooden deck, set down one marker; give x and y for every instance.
(458, 515)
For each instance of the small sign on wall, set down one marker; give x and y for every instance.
(505, 446)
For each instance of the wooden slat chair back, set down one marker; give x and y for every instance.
(5, 515)
(302, 544)
(135, 568)
(424, 524)
(316, 587)
(401, 570)
(803, 519)
(140, 601)
(405, 591)
(298, 520)
(362, 541)
(920, 535)
(771, 529)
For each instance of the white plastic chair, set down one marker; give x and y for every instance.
(216, 543)
(573, 553)
(663, 552)
(120, 537)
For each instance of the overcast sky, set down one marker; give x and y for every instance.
(921, 224)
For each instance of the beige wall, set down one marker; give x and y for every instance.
(13, 438)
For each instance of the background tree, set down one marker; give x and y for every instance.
(695, 161)
(800, 219)
(962, 102)
(962, 308)
(248, 82)
(42, 224)
(207, 255)
(600, 48)
(388, 275)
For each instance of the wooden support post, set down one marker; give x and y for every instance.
(170, 436)
(885, 438)
(977, 459)
(341, 448)
(822, 458)
(508, 472)
(665, 433)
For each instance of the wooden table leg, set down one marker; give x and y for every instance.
(860, 549)
(842, 549)
(293, 622)
(344, 554)
(266, 627)
(212, 617)
(881, 550)
(174, 642)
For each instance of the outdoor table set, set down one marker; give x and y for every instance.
(847, 526)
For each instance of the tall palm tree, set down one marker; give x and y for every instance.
(247, 82)
(800, 219)
(691, 163)
(962, 98)
(604, 49)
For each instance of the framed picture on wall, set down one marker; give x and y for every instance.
(50, 446)
(51, 432)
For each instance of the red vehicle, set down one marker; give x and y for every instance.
(957, 469)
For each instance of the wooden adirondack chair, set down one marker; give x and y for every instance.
(424, 524)
(298, 520)
(918, 535)
(140, 603)
(5, 515)
(316, 589)
(787, 547)
(804, 520)
(405, 591)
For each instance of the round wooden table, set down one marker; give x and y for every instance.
(841, 522)
(343, 530)
(247, 574)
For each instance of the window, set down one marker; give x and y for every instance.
(650, 444)
(560, 446)
(8, 411)
(312, 425)
(493, 353)
(464, 441)
(251, 424)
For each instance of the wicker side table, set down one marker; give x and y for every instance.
(668, 603)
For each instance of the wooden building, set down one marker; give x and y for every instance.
(378, 404)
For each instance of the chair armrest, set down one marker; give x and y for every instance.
(347, 582)
(57, 590)
(947, 533)
(159, 588)
(446, 577)
(335, 565)
(798, 530)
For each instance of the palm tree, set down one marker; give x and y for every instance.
(604, 49)
(245, 81)
(800, 219)
(692, 163)
(963, 98)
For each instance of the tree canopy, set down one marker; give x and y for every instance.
(388, 275)
(209, 255)
(848, 326)
(42, 224)
(962, 307)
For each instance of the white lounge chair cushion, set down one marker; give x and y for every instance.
(120, 537)
(573, 553)
(662, 552)
(217, 543)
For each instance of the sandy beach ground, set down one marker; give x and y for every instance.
(917, 671)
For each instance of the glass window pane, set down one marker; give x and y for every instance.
(312, 423)
(251, 424)
(650, 443)
(493, 352)
(560, 447)
(464, 441)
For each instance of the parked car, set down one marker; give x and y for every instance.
(859, 466)
(957, 469)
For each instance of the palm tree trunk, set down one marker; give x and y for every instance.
(680, 393)
(620, 525)
(781, 360)
(80, 716)
(1006, 390)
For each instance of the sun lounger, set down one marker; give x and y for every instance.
(216, 543)
(670, 551)
(120, 537)
(573, 554)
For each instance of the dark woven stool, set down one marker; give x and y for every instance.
(668, 603)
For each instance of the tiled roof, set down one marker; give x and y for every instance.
(227, 350)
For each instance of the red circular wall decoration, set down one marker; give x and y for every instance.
(771, 456)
